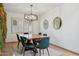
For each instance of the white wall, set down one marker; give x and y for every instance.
(68, 35)
(11, 37)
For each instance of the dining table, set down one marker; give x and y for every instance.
(32, 37)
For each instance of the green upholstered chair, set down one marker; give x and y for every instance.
(44, 34)
(26, 33)
(18, 38)
(43, 44)
(26, 46)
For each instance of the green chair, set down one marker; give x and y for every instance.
(40, 33)
(43, 44)
(44, 34)
(18, 40)
(26, 46)
(26, 33)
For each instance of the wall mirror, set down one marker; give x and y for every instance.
(57, 22)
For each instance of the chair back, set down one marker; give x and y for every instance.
(44, 43)
(18, 37)
(40, 33)
(44, 34)
(26, 33)
(23, 40)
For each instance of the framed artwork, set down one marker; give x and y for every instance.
(57, 22)
(45, 24)
(14, 22)
(16, 25)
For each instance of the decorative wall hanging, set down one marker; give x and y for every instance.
(14, 22)
(16, 25)
(57, 22)
(45, 24)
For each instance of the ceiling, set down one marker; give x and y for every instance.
(38, 8)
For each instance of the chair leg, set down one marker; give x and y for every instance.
(48, 52)
(40, 52)
(23, 51)
(18, 45)
(34, 54)
(43, 51)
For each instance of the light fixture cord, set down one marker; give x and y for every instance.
(31, 8)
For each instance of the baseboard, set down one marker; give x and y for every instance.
(65, 49)
(12, 42)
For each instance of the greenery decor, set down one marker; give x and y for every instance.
(3, 28)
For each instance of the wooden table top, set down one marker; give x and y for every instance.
(32, 36)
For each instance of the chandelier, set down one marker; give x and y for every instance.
(31, 16)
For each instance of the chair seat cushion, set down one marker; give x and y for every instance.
(29, 46)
